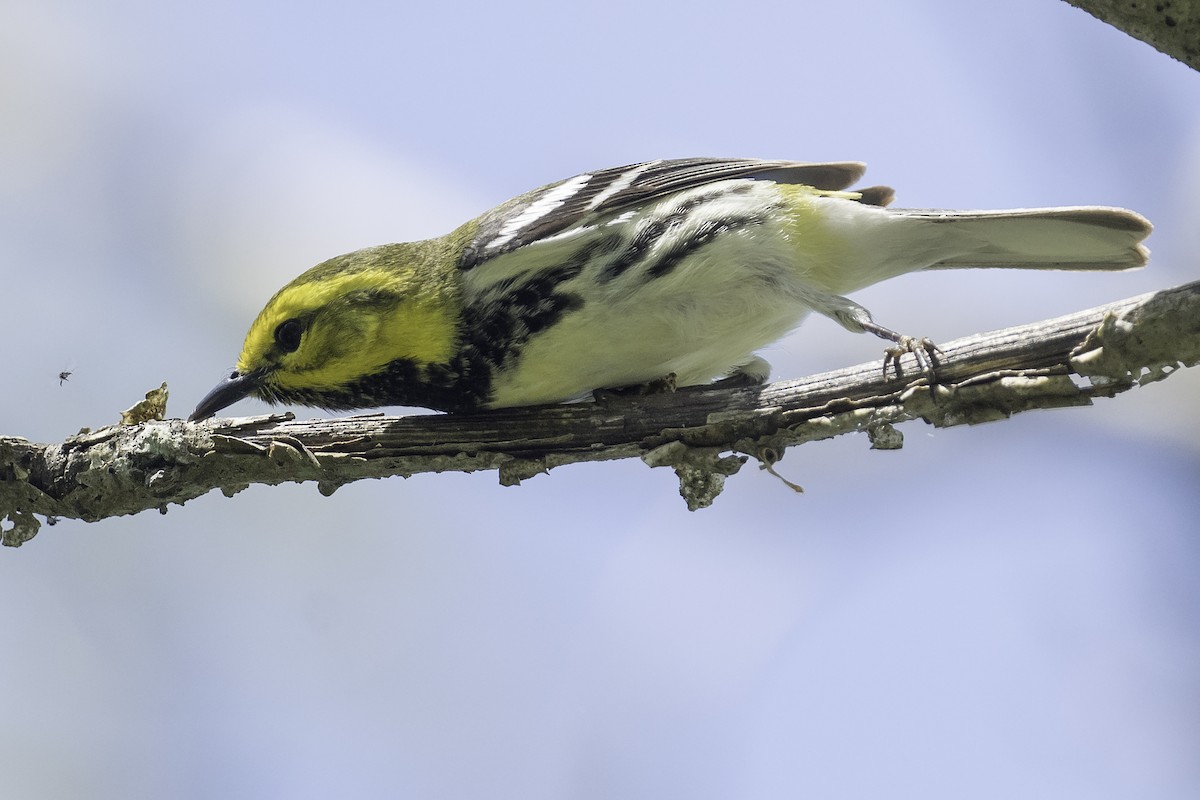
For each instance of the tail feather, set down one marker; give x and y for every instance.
(1071, 238)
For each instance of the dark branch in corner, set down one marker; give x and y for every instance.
(705, 435)
(1172, 28)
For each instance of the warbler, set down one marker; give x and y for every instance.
(624, 276)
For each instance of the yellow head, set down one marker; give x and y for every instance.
(343, 322)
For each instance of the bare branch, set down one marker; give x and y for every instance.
(704, 434)
(1171, 27)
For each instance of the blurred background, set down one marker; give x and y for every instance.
(1004, 611)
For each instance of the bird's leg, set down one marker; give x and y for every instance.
(853, 317)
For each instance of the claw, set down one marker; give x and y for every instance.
(923, 349)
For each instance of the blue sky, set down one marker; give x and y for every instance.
(1006, 610)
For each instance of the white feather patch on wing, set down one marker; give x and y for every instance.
(538, 209)
(621, 184)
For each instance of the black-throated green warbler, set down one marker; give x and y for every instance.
(624, 276)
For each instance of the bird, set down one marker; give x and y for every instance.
(625, 276)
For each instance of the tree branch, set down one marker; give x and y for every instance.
(1169, 26)
(704, 434)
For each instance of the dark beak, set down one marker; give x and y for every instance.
(226, 393)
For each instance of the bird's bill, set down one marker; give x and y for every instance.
(226, 393)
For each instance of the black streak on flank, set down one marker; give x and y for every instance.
(499, 323)
(705, 234)
(498, 326)
(652, 232)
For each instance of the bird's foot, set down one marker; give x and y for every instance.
(923, 349)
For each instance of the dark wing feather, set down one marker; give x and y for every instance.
(559, 206)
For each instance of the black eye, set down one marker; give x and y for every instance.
(288, 334)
